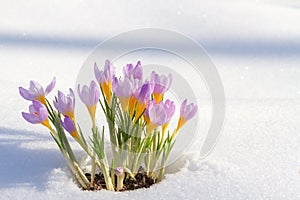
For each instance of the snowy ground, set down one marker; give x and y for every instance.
(255, 47)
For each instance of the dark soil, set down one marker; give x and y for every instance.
(141, 181)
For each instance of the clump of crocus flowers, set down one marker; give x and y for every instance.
(138, 120)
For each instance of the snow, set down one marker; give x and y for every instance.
(255, 46)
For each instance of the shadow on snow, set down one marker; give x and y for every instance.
(21, 166)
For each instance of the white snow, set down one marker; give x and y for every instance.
(255, 46)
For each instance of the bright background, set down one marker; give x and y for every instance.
(255, 46)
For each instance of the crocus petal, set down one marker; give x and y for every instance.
(133, 72)
(43, 114)
(36, 88)
(182, 107)
(94, 93)
(118, 171)
(60, 100)
(32, 110)
(188, 111)
(65, 104)
(29, 118)
(68, 124)
(158, 114)
(97, 72)
(26, 94)
(170, 108)
(193, 110)
(50, 87)
(71, 100)
(161, 83)
(123, 88)
(138, 71)
(127, 69)
(40, 109)
(107, 74)
(144, 94)
(84, 94)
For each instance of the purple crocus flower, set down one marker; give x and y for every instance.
(123, 90)
(69, 126)
(140, 98)
(133, 72)
(161, 84)
(170, 108)
(105, 78)
(155, 115)
(186, 113)
(37, 114)
(118, 171)
(143, 93)
(65, 103)
(158, 114)
(36, 91)
(105, 75)
(90, 97)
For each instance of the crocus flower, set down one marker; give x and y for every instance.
(36, 91)
(143, 95)
(161, 84)
(123, 90)
(118, 171)
(155, 115)
(65, 104)
(38, 114)
(133, 72)
(170, 109)
(90, 97)
(140, 99)
(105, 78)
(69, 126)
(186, 113)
